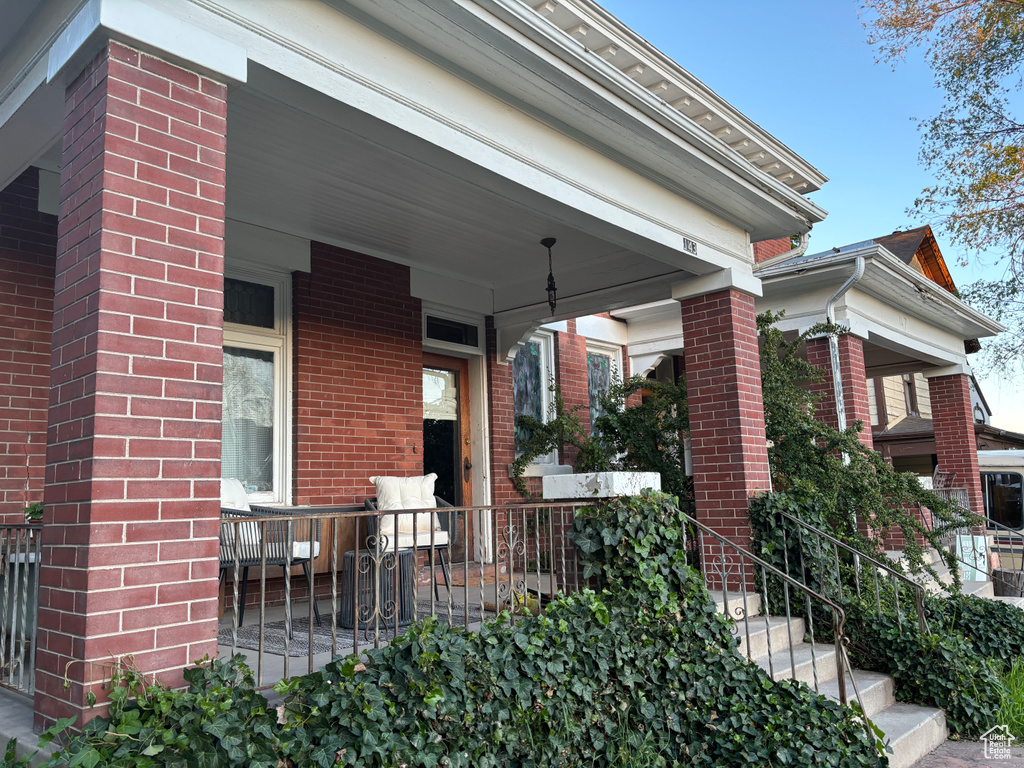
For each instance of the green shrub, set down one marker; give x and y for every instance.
(994, 629)
(938, 669)
(649, 660)
(1011, 709)
(643, 674)
(218, 720)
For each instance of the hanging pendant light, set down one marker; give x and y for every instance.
(547, 242)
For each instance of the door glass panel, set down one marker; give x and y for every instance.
(1003, 499)
(247, 445)
(441, 432)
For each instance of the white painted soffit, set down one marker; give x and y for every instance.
(538, 65)
(605, 39)
(887, 279)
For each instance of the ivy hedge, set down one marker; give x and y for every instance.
(644, 673)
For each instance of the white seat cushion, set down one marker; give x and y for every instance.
(400, 493)
(233, 495)
(421, 540)
(300, 550)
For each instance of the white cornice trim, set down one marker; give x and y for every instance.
(672, 86)
(138, 24)
(949, 370)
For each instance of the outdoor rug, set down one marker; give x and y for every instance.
(274, 632)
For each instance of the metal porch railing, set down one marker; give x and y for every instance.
(870, 576)
(19, 600)
(739, 575)
(501, 558)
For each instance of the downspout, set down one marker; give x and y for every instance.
(833, 345)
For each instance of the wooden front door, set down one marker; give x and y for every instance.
(446, 441)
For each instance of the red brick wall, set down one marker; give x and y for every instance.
(723, 378)
(855, 383)
(769, 249)
(501, 422)
(28, 247)
(955, 442)
(133, 460)
(571, 374)
(358, 376)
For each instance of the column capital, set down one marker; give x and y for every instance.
(730, 278)
(139, 25)
(947, 370)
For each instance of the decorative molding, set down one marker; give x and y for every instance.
(439, 117)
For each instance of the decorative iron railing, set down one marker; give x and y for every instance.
(19, 600)
(738, 576)
(482, 561)
(832, 572)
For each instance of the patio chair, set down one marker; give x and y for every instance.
(248, 549)
(445, 532)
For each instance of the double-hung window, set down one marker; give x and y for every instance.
(254, 435)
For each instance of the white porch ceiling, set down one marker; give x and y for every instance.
(345, 179)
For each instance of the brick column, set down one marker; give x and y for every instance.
(28, 249)
(571, 375)
(855, 383)
(131, 531)
(723, 379)
(955, 442)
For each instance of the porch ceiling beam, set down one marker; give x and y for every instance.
(639, 292)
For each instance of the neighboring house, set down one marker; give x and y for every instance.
(908, 331)
(299, 244)
(903, 429)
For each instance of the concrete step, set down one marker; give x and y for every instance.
(979, 588)
(911, 732)
(738, 606)
(876, 690)
(799, 663)
(759, 634)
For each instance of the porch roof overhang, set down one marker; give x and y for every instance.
(449, 135)
(908, 322)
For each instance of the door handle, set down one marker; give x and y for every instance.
(466, 466)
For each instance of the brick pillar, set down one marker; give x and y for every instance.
(723, 378)
(955, 442)
(571, 375)
(855, 383)
(28, 249)
(131, 531)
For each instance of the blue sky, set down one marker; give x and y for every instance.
(803, 70)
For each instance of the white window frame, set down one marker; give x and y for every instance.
(429, 309)
(276, 340)
(546, 341)
(604, 349)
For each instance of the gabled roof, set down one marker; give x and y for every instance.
(917, 248)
